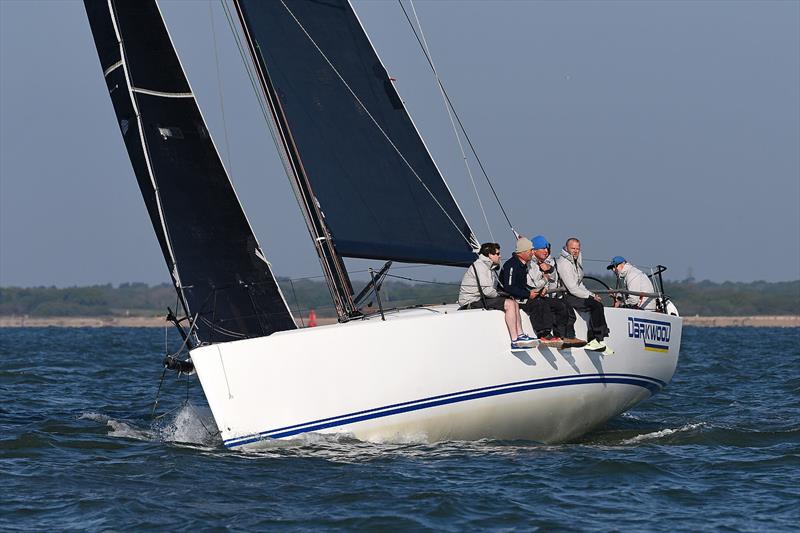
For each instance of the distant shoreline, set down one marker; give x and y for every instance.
(766, 321)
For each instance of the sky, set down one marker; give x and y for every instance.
(666, 132)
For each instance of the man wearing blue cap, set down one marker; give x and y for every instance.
(543, 277)
(635, 281)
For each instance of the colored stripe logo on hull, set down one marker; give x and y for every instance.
(651, 384)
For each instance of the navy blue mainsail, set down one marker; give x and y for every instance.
(359, 156)
(219, 271)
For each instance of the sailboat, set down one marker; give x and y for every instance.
(368, 188)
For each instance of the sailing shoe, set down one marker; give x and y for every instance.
(572, 342)
(608, 350)
(523, 341)
(595, 346)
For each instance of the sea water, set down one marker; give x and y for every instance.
(719, 448)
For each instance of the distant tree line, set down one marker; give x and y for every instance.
(139, 299)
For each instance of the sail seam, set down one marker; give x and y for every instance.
(112, 68)
(383, 132)
(161, 93)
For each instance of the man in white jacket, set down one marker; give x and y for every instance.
(543, 277)
(634, 280)
(570, 271)
(479, 291)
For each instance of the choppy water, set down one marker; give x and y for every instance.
(718, 449)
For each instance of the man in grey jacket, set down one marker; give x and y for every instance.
(634, 280)
(570, 270)
(479, 291)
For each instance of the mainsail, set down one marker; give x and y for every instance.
(219, 271)
(370, 175)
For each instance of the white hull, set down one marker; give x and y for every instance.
(433, 374)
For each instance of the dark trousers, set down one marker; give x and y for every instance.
(563, 318)
(596, 328)
(541, 316)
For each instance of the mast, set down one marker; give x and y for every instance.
(332, 265)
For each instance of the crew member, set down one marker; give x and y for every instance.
(479, 290)
(513, 279)
(570, 269)
(543, 277)
(636, 281)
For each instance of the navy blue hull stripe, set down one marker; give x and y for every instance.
(650, 321)
(651, 384)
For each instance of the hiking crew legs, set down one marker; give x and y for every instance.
(509, 306)
(596, 328)
(541, 316)
(562, 313)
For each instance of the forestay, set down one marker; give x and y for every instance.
(381, 194)
(217, 265)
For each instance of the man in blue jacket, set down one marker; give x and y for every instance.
(513, 278)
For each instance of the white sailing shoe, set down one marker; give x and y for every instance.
(595, 346)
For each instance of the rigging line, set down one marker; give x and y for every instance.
(277, 136)
(336, 275)
(297, 303)
(360, 103)
(237, 38)
(219, 85)
(249, 68)
(463, 129)
(250, 74)
(449, 115)
(394, 267)
(452, 283)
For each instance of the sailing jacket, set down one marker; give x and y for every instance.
(571, 272)
(513, 278)
(537, 279)
(487, 275)
(636, 280)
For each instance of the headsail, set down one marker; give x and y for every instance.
(217, 266)
(371, 175)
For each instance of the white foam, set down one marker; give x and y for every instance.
(663, 433)
(118, 428)
(97, 417)
(191, 425)
(404, 438)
